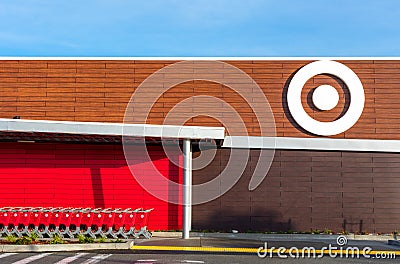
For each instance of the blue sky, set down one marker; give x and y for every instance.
(200, 28)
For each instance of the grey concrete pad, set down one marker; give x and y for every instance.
(175, 242)
(65, 247)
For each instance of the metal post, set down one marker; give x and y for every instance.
(190, 187)
(187, 188)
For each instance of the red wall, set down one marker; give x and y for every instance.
(83, 175)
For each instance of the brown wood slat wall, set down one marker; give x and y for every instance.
(100, 90)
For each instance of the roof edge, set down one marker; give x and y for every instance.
(200, 58)
(112, 129)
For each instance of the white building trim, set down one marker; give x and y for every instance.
(112, 129)
(201, 58)
(325, 144)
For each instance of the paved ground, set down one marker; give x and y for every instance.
(138, 258)
(205, 250)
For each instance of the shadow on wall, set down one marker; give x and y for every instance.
(262, 220)
(228, 220)
(353, 226)
(97, 186)
(285, 106)
(309, 102)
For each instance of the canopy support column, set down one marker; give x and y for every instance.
(187, 188)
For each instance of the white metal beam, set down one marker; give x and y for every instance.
(327, 144)
(113, 129)
(187, 188)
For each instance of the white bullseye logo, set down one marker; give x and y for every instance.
(326, 97)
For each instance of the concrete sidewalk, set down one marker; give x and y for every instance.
(277, 237)
(250, 243)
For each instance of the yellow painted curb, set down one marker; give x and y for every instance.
(268, 251)
(198, 249)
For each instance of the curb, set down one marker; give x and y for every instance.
(168, 234)
(65, 247)
(394, 242)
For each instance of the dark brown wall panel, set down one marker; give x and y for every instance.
(307, 190)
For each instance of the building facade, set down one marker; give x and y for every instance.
(348, 181)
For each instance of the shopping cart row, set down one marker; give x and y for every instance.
(70, 222)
